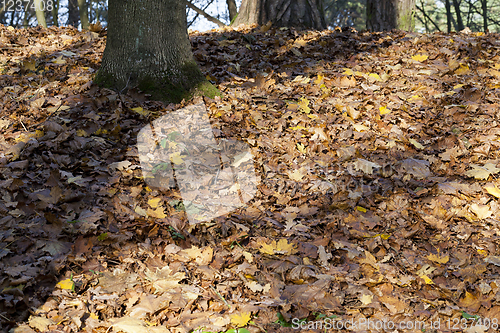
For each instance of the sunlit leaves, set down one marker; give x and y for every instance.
(482, 172)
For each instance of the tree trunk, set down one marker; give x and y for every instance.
(40, 12)
(484, 8)
(460, 22)
(384, 15)
(73, 15)
(448, 15)
(84, 14)
(232, 9)
(55, 13)
(148, 47)
(283, 13)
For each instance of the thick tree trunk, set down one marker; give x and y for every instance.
(73, 15)
(148, 47)
(232, 9)
(283, 13)
(383, 15)
(84, 14)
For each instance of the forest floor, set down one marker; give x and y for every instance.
(377, 204)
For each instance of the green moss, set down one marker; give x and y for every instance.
(104, 80)
(170, 86)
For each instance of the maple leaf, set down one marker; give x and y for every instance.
(304, 105)
(482, 172)
(420, 57)
(240, 320)
(493, 190)
(67, 284)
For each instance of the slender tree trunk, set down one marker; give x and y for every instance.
(448, 15)
(283, 13)
(232, 9)
(25, 18)
(484, 8)
(40, 13)
(458, 13)
(84, 14)
(383, 15)
(73, 15)
(148, 47)
(55, 13)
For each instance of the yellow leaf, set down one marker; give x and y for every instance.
(438, 259)
(240, 320)
(374, 77)
(67, 284)
(463, 69)
(176, 158)
(414, 98)
(384, 110)
(81, 133)
(493, 190)
(482, 252)
(140, 111)
(268, 248)
(416, 144)
(319, 79)
(283, 247)
(426, 279)
(94, 316)
(420, 57)
(158, 213)
(297, 128)
(304, 105)
(361, 209)
(348, 71)
(301, 148)
(154, 202)
(385, 236)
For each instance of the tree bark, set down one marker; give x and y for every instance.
(232, 9)
(283, 13)
(84, 14)
(484, 9)
(460, 22)
(148, 47)
(384, 15)
(40, 13)
(55, 13)
(73, 16)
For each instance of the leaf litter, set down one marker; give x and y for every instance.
(378, 159)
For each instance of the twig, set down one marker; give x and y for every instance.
(23, 126)
(220, 296)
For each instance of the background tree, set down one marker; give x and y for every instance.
(390, 14)
(283, 13)
(148, 47)
(84, 14)
(40, 12)
(73, 13)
